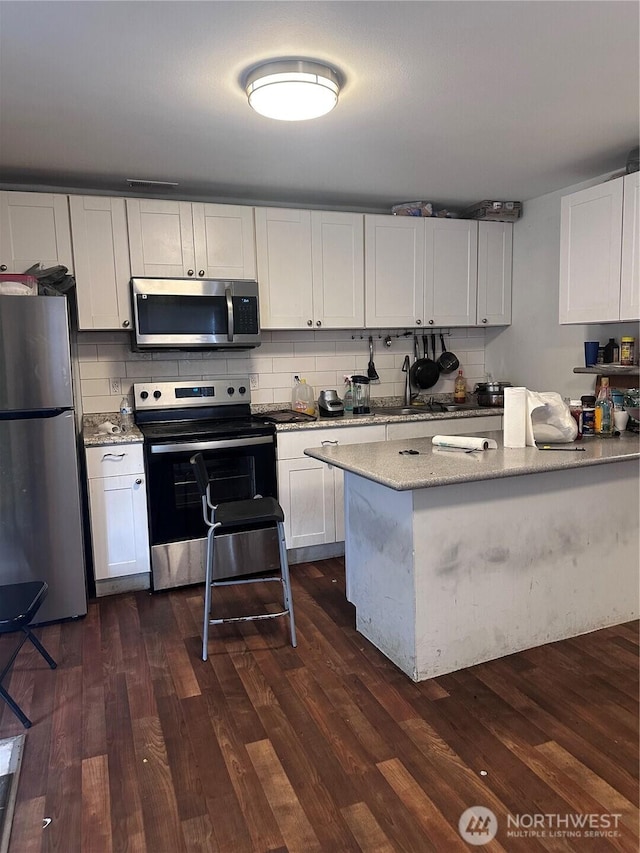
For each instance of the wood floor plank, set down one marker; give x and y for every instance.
(366, 829)
(27, 829)
(96, 806)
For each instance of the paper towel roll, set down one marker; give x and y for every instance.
(515, 417)
(464, 442)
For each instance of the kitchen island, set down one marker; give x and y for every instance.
(453, 559)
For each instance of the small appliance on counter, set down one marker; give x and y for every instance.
(330, 405)
(361, 393)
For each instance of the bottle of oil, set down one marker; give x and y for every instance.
(460, 388)
(604, 423)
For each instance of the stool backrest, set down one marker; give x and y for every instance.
(200, 470)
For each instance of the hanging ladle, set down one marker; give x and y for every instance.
(372, 373)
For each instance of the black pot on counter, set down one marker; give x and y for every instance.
(491, 393)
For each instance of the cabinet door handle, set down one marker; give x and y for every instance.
(318, 322)
(138, 482)
(201, 273)
(418, 322)
(125, 323)
(485, 320)
(3, 267)
(113, 456)
(309, 322)
(189, 272)
(328, 441)
(431, 322)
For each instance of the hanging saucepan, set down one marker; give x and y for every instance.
(424, 372)
(447, 362)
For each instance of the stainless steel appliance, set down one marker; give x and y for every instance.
(40, 510)
(360, 387)
(214, 417)
(195, 313)
(330, 405)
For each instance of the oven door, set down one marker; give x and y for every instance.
(239, 469)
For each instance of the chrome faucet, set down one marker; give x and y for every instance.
(407, 382)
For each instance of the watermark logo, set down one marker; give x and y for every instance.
(478, 825)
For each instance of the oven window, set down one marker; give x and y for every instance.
(182, 315)
(175, 506)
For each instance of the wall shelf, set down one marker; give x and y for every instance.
(610, 370)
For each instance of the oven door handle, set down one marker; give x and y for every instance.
(223, 444)
(228, 292)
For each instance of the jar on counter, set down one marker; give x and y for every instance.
(627, 350)
(575, 407)
(588, 414)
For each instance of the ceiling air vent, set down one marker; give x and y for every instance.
(137, 184)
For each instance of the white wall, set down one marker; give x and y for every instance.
(536, 351)
(108, 368)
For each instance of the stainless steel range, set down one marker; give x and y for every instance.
(178, 419)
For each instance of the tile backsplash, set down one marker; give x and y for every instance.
(108, 367)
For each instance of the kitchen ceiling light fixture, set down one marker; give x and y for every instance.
(292, 90)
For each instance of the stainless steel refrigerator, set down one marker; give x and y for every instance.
(40, 505)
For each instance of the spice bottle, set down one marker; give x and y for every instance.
(460, 388)
(575, 407)
(604, 424)
(611, 352)
(627, 350)
(588, 414)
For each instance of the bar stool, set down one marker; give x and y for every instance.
(236, 517)
(19, 603)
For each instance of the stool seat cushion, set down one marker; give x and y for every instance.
(19, 603)
(257, 511)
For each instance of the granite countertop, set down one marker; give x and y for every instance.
(382, 462)
(92, 437)
(379, 417)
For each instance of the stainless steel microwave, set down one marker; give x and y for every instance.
(178, 313)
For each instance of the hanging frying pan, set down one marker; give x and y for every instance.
(424, 372)
(448, 362)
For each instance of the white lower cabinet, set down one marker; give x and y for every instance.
(118, 511)
(446, 426)
(311, 493)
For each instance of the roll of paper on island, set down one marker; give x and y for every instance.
(515, 417)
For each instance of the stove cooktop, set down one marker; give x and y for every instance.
(198, 429)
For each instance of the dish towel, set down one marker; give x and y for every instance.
(464, 442)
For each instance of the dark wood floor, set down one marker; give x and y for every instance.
(138, 745)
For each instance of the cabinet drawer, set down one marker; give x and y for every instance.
(291, 445)
(114, 461)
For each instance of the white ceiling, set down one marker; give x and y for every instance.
(451, 102)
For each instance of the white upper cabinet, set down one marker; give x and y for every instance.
(34, 229)
(420, 272)
(495, 254)
(310, 268)
(630, 275)
(177, 239)
(590, 254)
(101, 259)
(451, 272)
(394, 271)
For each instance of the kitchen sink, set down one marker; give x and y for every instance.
(400, 410)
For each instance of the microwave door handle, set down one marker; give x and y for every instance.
(229, 296)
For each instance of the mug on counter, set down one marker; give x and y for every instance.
(591, 353)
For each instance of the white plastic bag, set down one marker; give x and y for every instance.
(550, 419)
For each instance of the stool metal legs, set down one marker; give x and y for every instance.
(17, 710)
(283, 578)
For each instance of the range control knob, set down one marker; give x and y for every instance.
(242, 390)
(231, 390)
(157, 395)
(144, 395)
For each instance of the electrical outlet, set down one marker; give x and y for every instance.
(253, 381)
(116, 387)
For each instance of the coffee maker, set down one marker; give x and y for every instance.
(361, 392)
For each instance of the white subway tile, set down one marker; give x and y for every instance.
(101, 369)
(95, 387)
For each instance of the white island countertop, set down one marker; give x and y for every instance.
(382, 462)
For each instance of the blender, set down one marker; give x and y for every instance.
(360, 387)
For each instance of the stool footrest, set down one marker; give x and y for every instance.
(248, 618)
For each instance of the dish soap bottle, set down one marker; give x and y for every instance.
(460, 388)
(348, 395)
(126, 415)
(604, 422)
